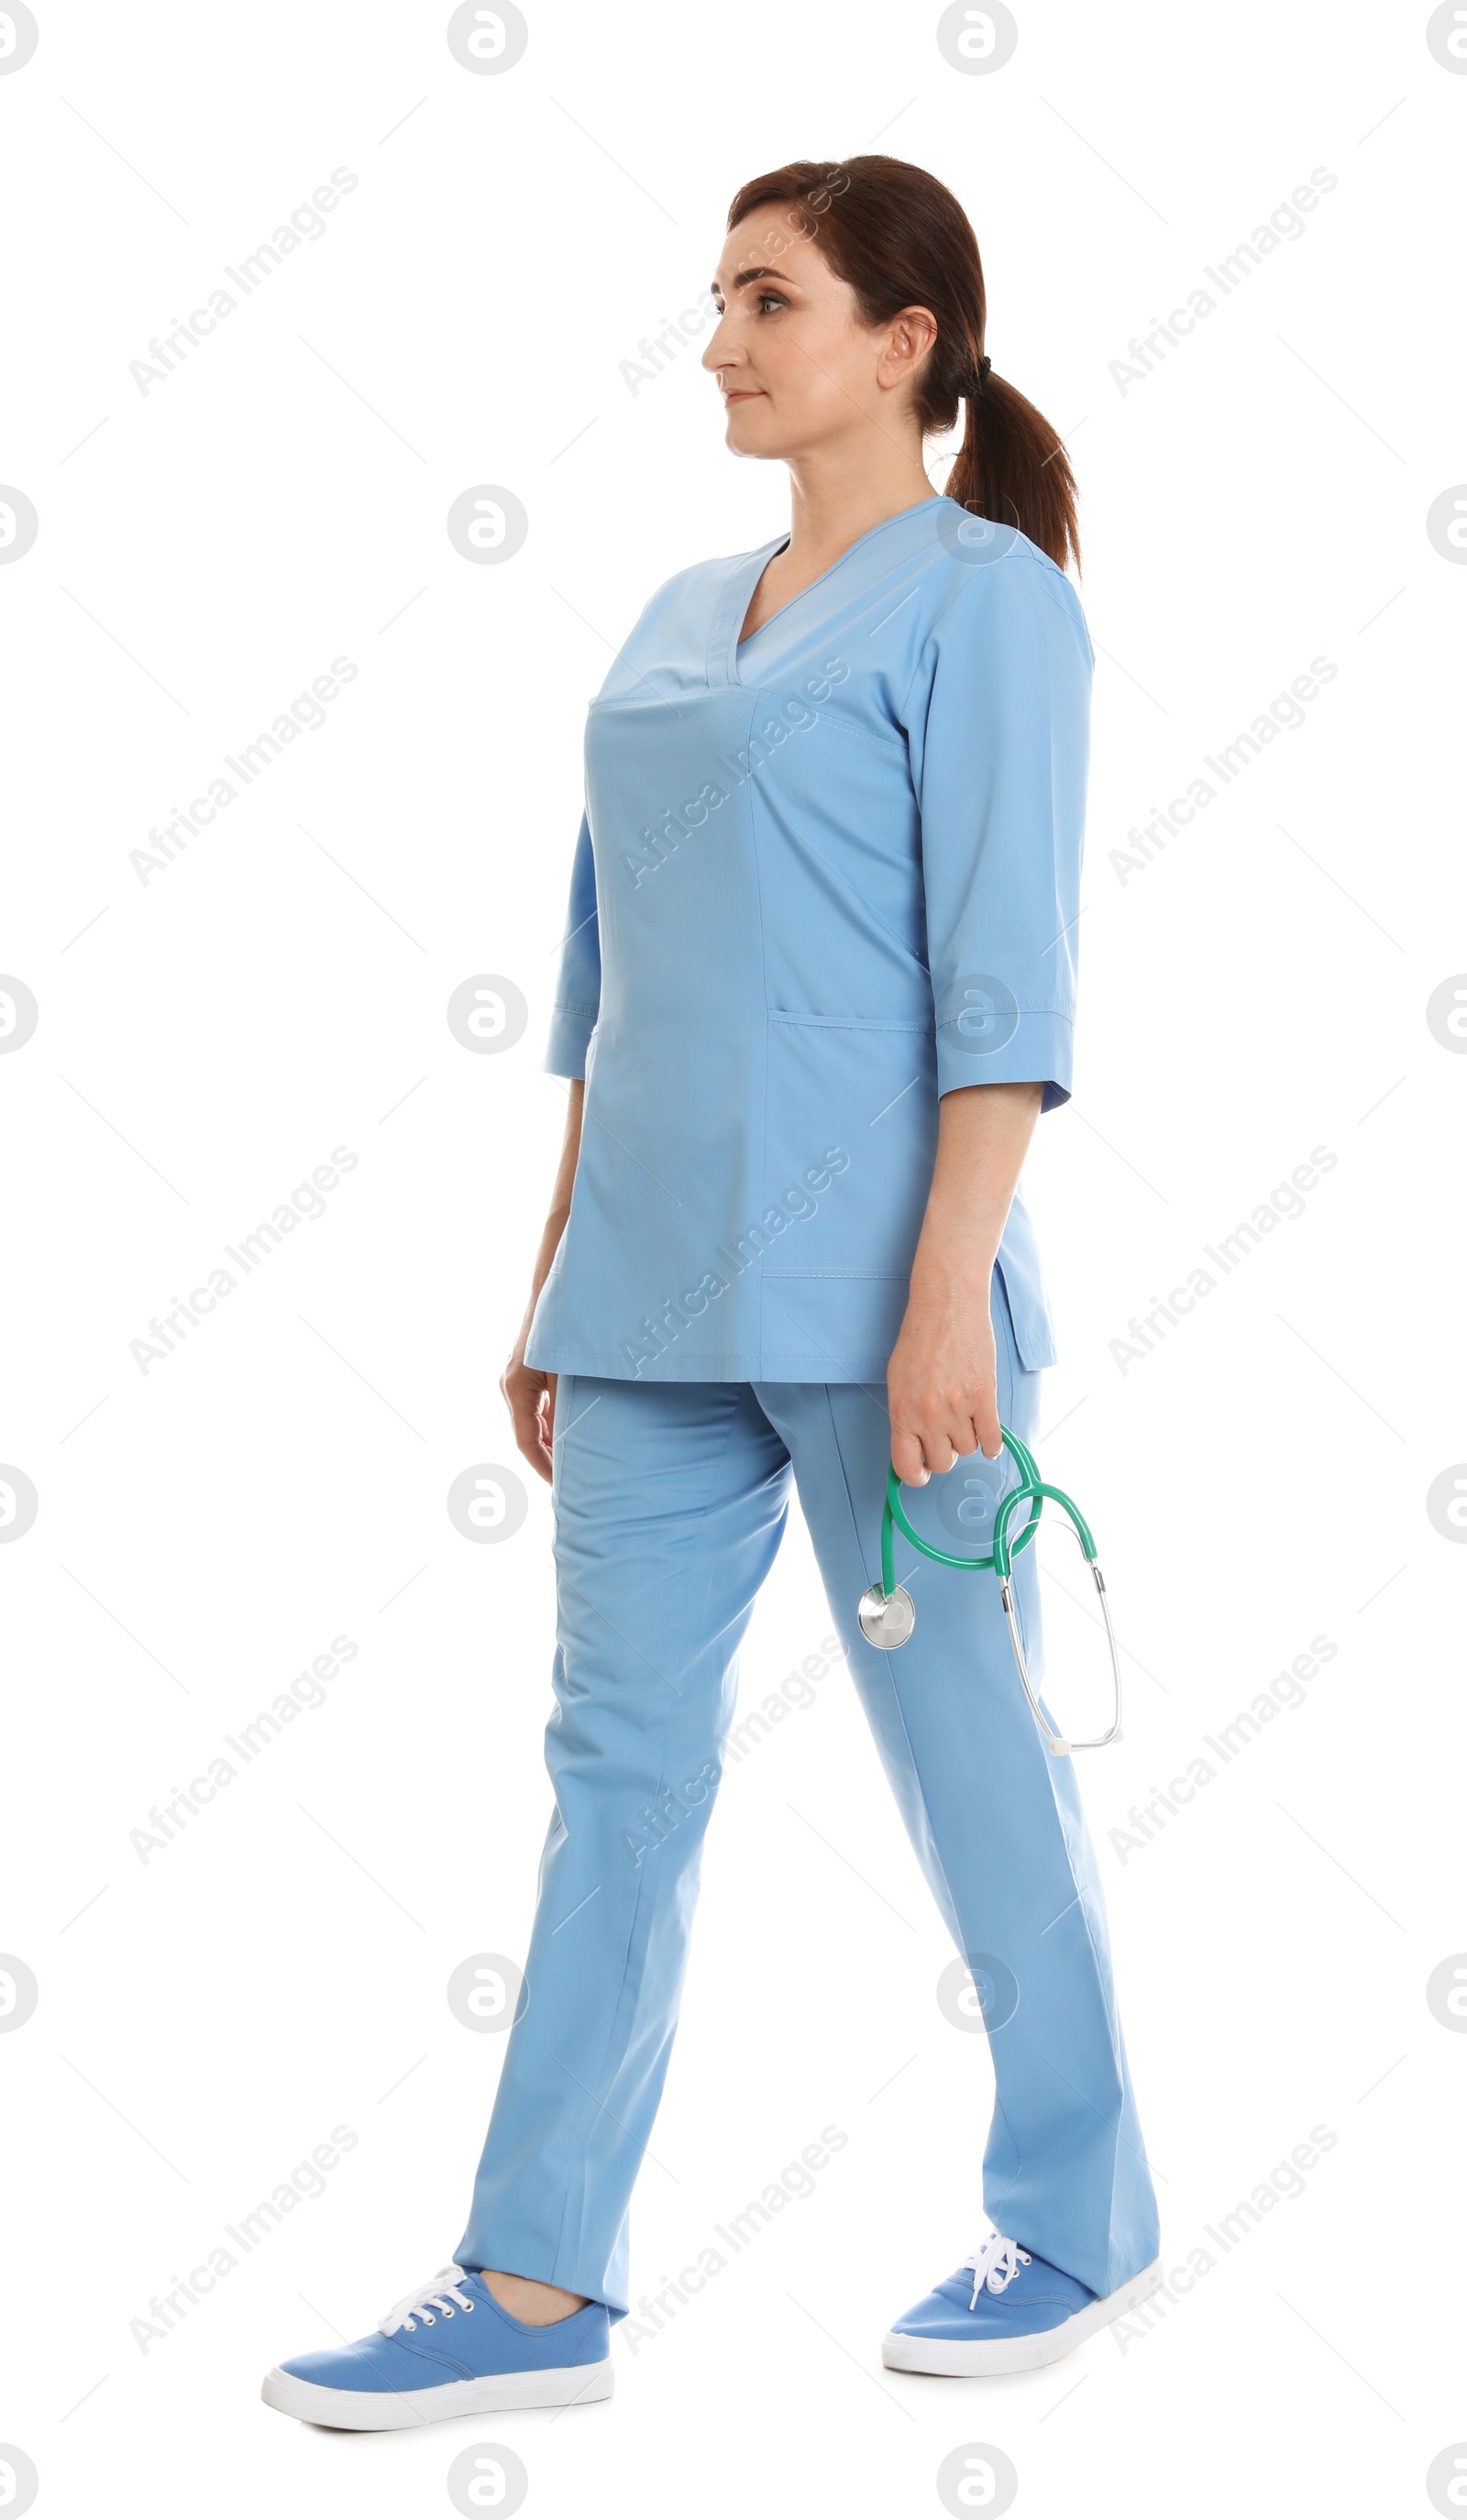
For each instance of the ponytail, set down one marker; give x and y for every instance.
(1012, 467)
(898, 237)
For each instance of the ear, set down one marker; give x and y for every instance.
(909, 338)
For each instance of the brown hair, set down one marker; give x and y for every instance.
(898, 237)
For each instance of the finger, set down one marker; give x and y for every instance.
(990, 1433)
(531, 1444)
(908, 1457)
(524, 1409)
(940, 1448)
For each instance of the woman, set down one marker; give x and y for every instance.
(817, 986)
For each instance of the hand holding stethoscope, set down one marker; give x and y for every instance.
(888, 1613)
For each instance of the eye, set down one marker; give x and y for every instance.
(766, 299)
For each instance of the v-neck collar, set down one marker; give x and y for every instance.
(724, 644)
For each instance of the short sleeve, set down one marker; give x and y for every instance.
(578, 995)
(997, 720)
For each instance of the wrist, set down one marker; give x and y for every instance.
(962, 1280)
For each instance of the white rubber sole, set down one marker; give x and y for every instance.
(365, 2410)
(988, 2356)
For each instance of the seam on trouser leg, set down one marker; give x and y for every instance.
(576, 2187)
(1101, 1973)
(1006, 1353)
(889, 1676)
(953, 1920)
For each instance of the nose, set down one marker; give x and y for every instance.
(720, 353)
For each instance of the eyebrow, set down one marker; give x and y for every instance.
(755, 271)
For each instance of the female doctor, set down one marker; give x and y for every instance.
(816, 987)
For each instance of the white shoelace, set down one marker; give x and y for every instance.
(445, 2289)
(996, 2261)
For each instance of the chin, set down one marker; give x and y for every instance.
(747, 433)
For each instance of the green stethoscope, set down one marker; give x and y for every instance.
(888, 1613)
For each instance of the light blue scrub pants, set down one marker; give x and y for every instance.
(669, 1502)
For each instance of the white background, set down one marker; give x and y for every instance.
(207, 1037)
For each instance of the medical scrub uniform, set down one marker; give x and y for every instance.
(824, 877)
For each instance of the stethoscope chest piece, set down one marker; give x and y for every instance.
(886, 1619)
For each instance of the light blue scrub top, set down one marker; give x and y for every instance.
(823, 877)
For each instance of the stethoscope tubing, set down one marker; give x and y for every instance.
(894, 1513)
(1031, 1490)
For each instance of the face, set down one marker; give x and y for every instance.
(796, 366)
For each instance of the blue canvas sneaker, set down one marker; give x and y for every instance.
(417, 2369)
(1017, 2312)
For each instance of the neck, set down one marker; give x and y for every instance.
(836, 495)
